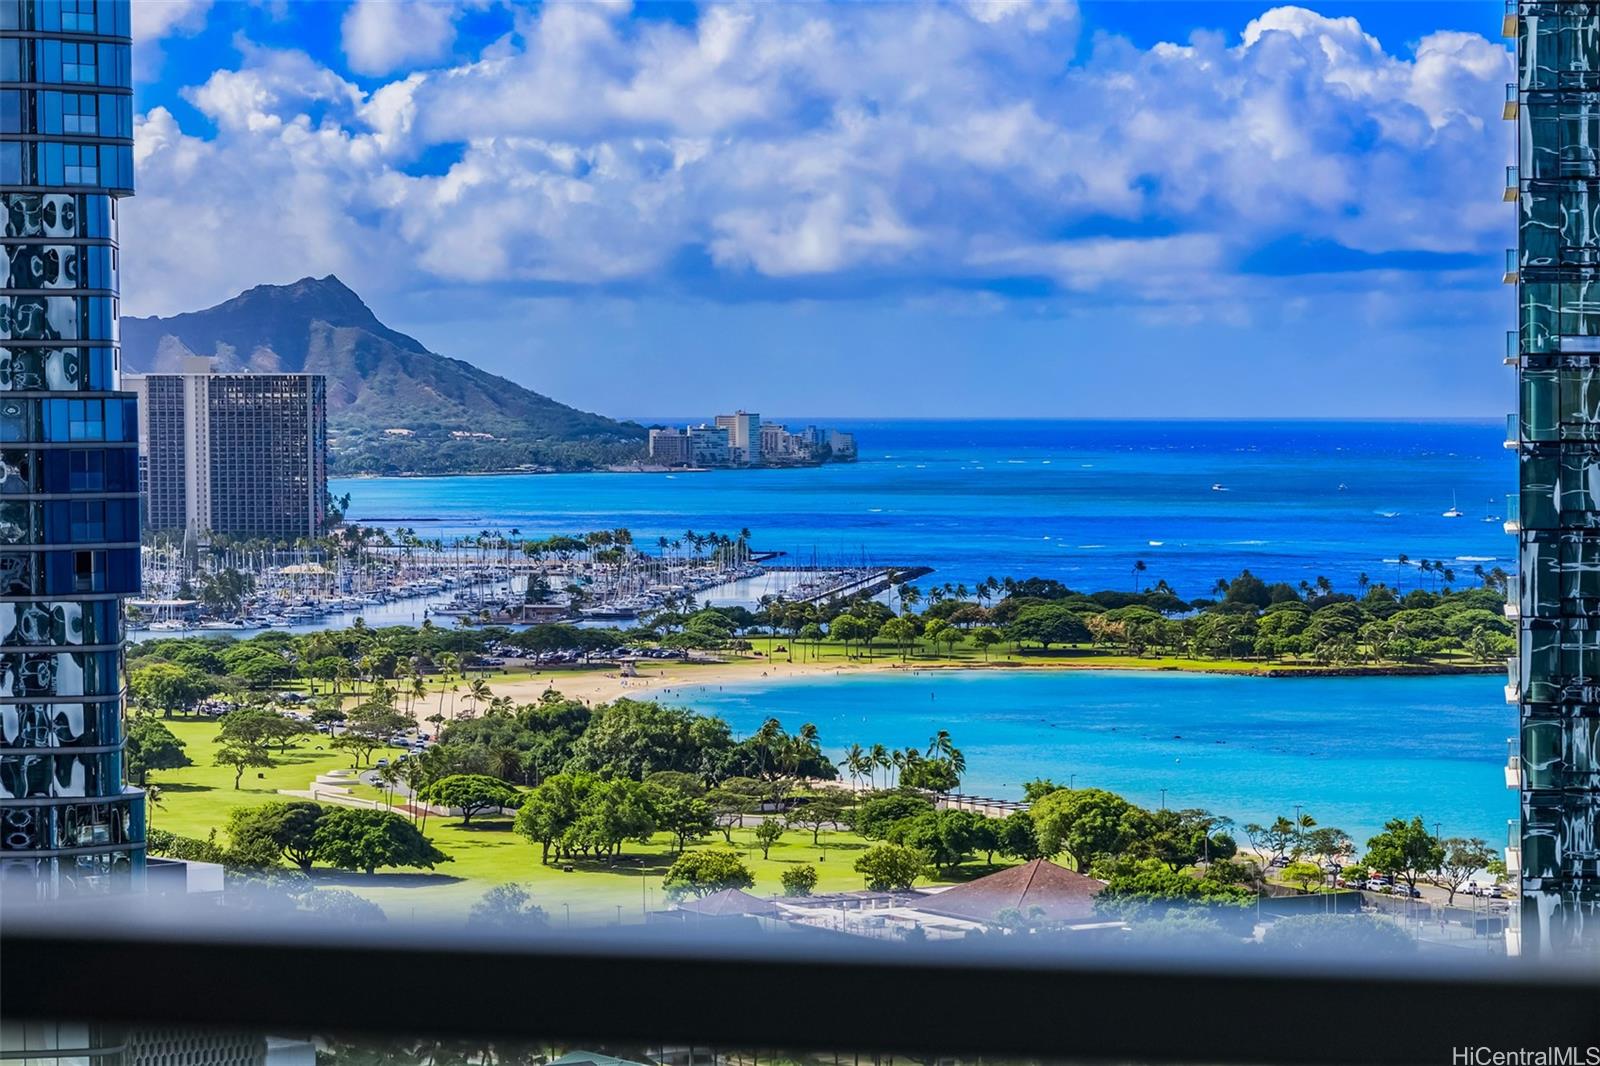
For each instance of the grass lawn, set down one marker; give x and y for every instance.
(486, 852)
(967, 654)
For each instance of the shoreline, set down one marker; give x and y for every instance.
(603, 685)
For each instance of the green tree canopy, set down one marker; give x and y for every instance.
(700, 873)
(471, 794)
(891, 867)
(150, 745)
(1405, 850)
(363, 839)
(1087, 823)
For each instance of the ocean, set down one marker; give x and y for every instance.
(1081, 502)
(1076, 501)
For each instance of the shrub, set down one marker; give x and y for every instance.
(799, 880)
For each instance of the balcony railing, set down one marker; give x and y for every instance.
(1510, 109)
(1513, 764)
(1508, 21)
(1513, 679)
(1510, 276)
(1513, 431)
(1513, 598)
(1512, 186)
(1513, 522)
(1513, 348)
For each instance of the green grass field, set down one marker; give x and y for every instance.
(197, 798)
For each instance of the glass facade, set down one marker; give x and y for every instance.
(1557, 436)
(69, 507)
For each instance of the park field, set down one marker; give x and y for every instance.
(193, 800)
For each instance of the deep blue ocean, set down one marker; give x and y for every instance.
(1077, 501)
(1080, 502)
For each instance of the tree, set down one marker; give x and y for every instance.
(1146, 888)
(1463, 857)
(891, 867)
(1303, 874)
(685, 816)
(550, 811)
(369, 727)
(471, 793)
(290, 827)
(169, 688)
(150, 745)
(1354, 936)
(815, 809)
(1047, 624)
(874, 816)
(1017, 838)
(1405, 850)
(507, 907)
(944, 838)
(799, 880)
(767, 834)
(1087, 823)
(242, 756)
(340, 906)
(700, 873)
(1182, 838)
(732, 800)
(1274, 842)
(364, 839)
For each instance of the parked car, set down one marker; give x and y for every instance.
(382, 762)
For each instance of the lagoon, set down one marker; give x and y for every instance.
(1352, 752)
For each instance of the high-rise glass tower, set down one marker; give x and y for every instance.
(69, 525)
(1556, 514)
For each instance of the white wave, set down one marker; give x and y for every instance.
(1475, 558)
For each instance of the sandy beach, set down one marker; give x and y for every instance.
(667, 680)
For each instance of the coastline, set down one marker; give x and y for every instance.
(603, 684)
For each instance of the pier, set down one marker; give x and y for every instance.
(852, 583)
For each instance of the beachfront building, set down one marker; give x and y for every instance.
(708, 446)
(68, 466)
(242, 454)
(1556, 433)
(744, 437)
(670, 447)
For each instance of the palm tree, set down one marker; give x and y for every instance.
(939, 745)
(478, 691)
(854, 761)
(880, 759)
(1138, 568)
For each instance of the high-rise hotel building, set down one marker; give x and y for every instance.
(241, 454)
(69, 507)
(1556, 433)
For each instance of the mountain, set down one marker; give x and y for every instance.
(393, 405)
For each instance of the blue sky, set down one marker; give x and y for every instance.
(985, 209)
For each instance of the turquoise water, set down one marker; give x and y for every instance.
(1080, 502)
(1077, 501)
(1353, 752)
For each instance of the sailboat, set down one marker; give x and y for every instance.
(1454, 512)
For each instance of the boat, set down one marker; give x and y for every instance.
(1218, 486)
(1390, 514)
(1454, 512)
(1491, 518)
(1343, 487)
